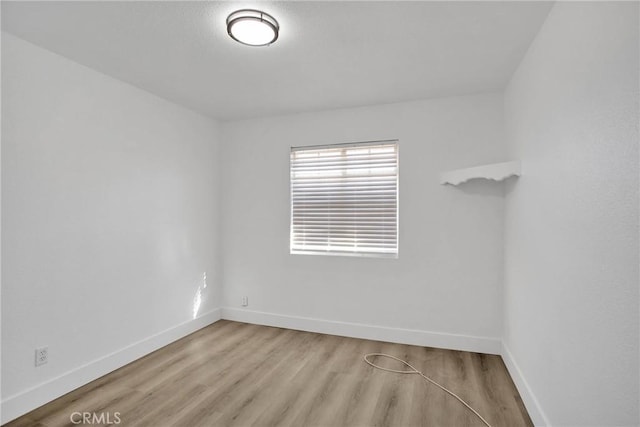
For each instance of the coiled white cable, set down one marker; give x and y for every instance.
(415, 371)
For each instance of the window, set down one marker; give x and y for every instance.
(344, 199)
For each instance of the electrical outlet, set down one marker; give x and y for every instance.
(42, 355)
(245, 301)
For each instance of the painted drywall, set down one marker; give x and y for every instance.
(448, 277)
(328, 55)
(0, 223)
(109, 215)
(571, 236)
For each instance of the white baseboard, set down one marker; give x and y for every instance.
(23, 402)
(371, 332)
(530, 402)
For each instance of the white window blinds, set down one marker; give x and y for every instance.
(344, 199)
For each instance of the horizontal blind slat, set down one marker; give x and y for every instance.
(344, 198)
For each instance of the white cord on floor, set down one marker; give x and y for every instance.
(415, 371)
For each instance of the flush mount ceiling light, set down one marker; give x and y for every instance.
(252, 27)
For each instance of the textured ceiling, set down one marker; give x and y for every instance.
(329, 55)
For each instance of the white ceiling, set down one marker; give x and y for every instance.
(329, 55)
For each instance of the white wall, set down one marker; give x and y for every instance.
(109, 219)
(448, 278)
(0, 223)
(571, 281)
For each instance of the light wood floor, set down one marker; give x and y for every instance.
(236, 374)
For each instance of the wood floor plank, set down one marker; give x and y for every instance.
(236, 374)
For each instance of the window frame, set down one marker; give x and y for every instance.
(363, 254)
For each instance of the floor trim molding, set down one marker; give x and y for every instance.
(30, 399)
(530, 402)
(371, 332)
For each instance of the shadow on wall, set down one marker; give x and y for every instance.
(484, 187)
(510, 185)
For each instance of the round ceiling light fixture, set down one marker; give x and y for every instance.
(252, 27)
